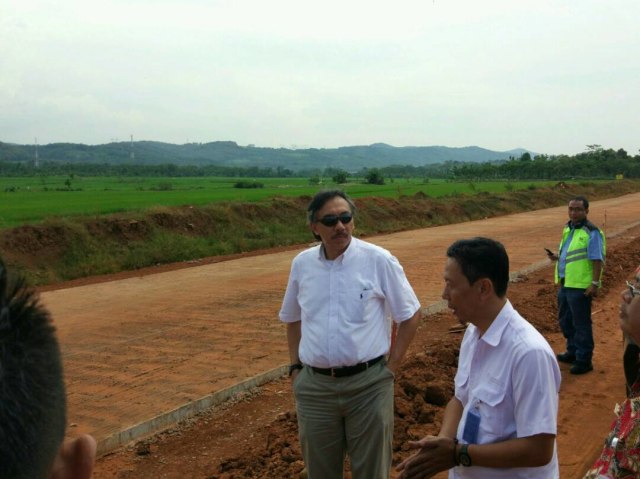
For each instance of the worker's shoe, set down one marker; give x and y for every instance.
(581, 367)
(566, 357)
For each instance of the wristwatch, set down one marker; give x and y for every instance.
(293, 367)
(463, 456)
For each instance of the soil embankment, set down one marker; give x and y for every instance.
(66, 249)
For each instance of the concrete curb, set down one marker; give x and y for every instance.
(170, 418)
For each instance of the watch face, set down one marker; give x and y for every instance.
(465, 459)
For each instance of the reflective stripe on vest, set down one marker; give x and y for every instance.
(576, 255)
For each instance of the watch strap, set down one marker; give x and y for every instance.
(463, 457)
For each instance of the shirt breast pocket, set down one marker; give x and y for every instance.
(490, 400)
(362, 302)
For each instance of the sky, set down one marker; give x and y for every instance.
(548, 76)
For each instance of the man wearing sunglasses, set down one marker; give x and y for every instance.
(620, 455)
(579, 267)
(336, 307)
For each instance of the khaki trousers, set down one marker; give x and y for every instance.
(346, 416)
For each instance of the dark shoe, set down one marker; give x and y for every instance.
(580, 367)
(566, 358)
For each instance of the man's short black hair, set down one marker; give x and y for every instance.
(585, 201)
(320, 199)
(482, 258)
(32, 395)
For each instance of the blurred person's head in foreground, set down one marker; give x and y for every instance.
(32, 393)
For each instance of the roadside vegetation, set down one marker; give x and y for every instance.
(32, 200)
(65, 245)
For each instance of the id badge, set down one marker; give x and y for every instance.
(471, 426)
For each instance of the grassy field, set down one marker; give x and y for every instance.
(33, 199)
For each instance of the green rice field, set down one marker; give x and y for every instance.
(33, 199)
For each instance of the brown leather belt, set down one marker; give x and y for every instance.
(347, 370)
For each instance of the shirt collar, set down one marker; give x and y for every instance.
(493, 335)
(345, 256)
(577, 226)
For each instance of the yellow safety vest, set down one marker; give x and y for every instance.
(578, 272)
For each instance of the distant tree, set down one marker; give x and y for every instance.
(374, 177)
(314, 180)
(621, 153)
(340, 177)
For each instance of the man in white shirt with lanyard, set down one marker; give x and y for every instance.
(335, 308)
(502, 420)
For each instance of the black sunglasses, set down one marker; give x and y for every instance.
(332, 220)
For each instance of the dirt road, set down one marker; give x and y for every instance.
(139, 347)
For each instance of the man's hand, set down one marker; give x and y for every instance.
(392, 365)
(76, 459)
(436, 454)
(592, 291)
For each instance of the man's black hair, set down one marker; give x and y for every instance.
(32, 395)
(585, 201)
(482, 258)
(321, 198)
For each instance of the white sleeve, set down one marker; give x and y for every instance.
(536, 384)
(290, 311)
(402, 300)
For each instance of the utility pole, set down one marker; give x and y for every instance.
(132, 156)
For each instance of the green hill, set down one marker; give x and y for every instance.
(229, 153)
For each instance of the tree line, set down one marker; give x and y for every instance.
(596, 162)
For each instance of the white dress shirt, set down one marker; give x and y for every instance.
(510, 376)
(344, 304)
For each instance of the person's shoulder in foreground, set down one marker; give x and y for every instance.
(32, 394)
